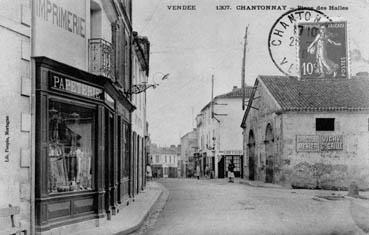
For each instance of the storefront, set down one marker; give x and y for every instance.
(226, 158)
(82, 146)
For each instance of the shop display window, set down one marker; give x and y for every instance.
(70, 148)
(236, 162)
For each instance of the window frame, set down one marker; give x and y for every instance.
(94, 132)
(325, 124)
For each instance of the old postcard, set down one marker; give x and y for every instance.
(184, 117)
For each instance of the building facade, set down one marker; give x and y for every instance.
(189, 147)
(67, 87)
(141, 47)
(16, 111)
(308, 134)
(218, 140)
(164, 161)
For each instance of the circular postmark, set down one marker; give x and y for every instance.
(283, 38)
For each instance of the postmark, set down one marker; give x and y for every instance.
(283, 38)
(323, 50)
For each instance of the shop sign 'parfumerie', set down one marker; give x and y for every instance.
(62, 83)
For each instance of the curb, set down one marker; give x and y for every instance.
(261, 185)
(140, 223)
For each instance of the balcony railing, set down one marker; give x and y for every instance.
(100, 57)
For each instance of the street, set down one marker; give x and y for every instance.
(218, 207)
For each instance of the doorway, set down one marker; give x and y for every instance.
(251, 150)
(269, 161)
(221, 167)
(269, 170)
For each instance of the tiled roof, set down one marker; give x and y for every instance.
(237, 92)
(319, 94)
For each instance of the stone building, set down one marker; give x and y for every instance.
(219, 138)
(16, 111)
(164, 161)
(310, 134)
(188, 148)
(141, 55)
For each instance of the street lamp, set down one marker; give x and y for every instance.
(143, 86)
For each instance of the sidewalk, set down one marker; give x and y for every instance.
(131, 217)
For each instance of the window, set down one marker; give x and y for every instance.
(165, 158)
(70, 148)
(324, 124)
(95, 19)
(157, 159)
(236, 162)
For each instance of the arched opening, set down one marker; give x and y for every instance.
(269, 161)
(251, 153)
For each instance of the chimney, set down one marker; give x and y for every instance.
(234, 88)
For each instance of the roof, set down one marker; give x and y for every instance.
(316, 94)
(235, 93)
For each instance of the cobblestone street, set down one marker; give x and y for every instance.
(218, 207)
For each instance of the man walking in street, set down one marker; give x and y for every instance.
(207, 171)
(198, 171)
(148, 172)
(231, 171)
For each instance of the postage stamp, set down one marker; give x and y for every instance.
(283, 38)
(323, 50)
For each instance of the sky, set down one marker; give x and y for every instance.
(194, 45)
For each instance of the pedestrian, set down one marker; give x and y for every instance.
(231, 171)
(198, 171)
(207, 171)
(148, 172)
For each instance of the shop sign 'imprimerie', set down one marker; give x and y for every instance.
(65, 84)
(315, 143)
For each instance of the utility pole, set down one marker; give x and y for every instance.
(212, 97)
(243, 69)
(192, 118)
(214, 160)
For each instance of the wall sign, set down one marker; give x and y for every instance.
(231, 152)
(331, 142)
(62, 83)
(315, 143)
(7, 139)
(60, 17)
(307, 143)
(63, 23)
(109, 101)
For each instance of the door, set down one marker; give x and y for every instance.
(269, 161)
(251, 151)
(221, 170)
(269, 170)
